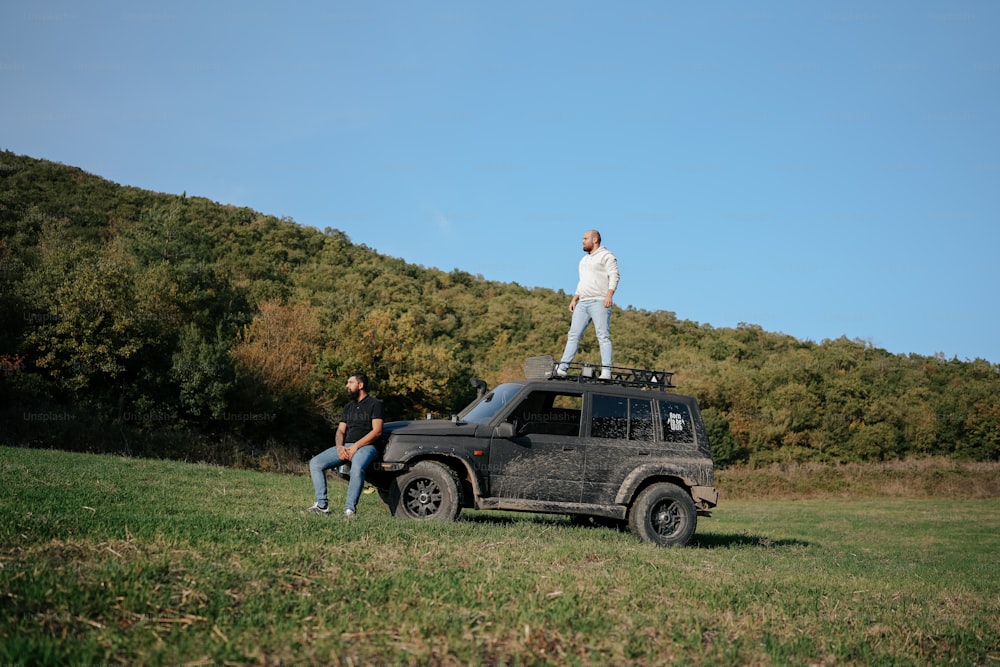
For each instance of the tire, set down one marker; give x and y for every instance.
(429, 491)
(663, 514)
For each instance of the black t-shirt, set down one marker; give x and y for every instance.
(358, 416)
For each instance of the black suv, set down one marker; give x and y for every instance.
(603, 451)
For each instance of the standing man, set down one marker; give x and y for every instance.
(360, 428)
(592, 302)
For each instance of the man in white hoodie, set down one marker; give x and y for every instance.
(592, 302)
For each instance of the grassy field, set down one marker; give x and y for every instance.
(111, 560)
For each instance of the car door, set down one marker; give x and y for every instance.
(543, 461)
(621, 433)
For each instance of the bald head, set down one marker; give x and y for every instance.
(591, 240)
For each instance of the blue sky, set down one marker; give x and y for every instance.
(819, 169)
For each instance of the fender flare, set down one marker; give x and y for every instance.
(636, 479)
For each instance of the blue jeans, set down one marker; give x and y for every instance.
(586, 311)
(319, 464)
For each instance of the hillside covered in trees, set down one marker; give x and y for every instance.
(173, 326)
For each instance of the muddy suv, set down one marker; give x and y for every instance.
(602, 451)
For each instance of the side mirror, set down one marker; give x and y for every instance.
(504, 430)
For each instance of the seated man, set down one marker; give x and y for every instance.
(357, 434)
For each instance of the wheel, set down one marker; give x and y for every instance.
(663, 514)
(429, 491)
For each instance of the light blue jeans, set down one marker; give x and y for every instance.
(319, 464)
(586, 311)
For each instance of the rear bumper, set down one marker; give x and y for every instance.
(705, 497)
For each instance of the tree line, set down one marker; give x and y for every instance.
(174, 326)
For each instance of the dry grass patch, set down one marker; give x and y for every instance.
(919, 478)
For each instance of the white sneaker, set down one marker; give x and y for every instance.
(561, 372)
(348, 513)
(605, 374)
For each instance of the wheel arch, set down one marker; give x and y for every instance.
(467, 477)
(645, 476)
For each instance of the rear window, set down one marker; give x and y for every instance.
(676, 420)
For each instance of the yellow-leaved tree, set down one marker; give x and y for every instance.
(411, 371)
(279, 350)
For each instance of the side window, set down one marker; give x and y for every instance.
(549, 413)
(609, 417)
(621, 418)
(676, 419)
(640, 420)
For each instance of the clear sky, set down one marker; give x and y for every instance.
(817, 168)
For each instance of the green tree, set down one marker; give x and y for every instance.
(204, 372)
(725, 449)
(84, 329)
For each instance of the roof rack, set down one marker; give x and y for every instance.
(544, 368)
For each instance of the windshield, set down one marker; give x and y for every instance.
(486, 409)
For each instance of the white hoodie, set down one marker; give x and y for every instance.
(598, 274)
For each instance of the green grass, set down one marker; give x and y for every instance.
(111, 560)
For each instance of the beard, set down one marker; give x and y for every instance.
(353, 395)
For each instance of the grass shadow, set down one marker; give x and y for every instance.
(699, 541)
(494, 517)
(744, 539)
